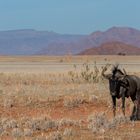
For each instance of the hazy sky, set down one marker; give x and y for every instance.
(69, 16)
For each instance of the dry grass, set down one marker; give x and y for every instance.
(53, 106)
(69, 58)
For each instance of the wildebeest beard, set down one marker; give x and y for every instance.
(114, 87)
(114, 84)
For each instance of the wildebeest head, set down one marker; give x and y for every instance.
(114, 83)
(113, 86)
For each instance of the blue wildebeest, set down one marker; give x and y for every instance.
(122, 85)
(130, 87)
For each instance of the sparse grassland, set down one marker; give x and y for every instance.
(61, 102)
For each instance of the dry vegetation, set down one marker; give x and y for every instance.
(70, 105)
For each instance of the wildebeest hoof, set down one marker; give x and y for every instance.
(133, 118)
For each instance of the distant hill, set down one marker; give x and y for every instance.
(121, 34)
(30, 41)
(112, 48)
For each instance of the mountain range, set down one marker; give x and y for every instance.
(112, 48)
(33, 42)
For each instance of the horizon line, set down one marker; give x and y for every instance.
(52, 31)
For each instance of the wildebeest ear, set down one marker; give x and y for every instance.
(125, 73)
(104, 69)
(115, 67)
(108, 76)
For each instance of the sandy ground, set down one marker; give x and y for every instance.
(38, 64)
(35, 88)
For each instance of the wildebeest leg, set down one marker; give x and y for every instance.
(114, 105)
(123, 104)
(138, 105)
(134, 112)
(136, 109)
(132, 115)
(136, 99)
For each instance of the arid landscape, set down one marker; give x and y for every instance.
(113, 41)
(69, 70)
(62, 98)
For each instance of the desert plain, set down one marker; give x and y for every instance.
(63, 98)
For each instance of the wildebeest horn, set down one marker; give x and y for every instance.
(124, 71)
(115, 67)
(120, 77)
(107, 76)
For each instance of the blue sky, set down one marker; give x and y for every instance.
(69, 16)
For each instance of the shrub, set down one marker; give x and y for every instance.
(55, 136)
(73, 102)
(120, 119)
(1, 130)
(8, 103)
(16, 132)
(93, 99)
(28, 132)
(68, 132)
(38, 124)
(98, 122)
(68, 122)
(86, 73)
